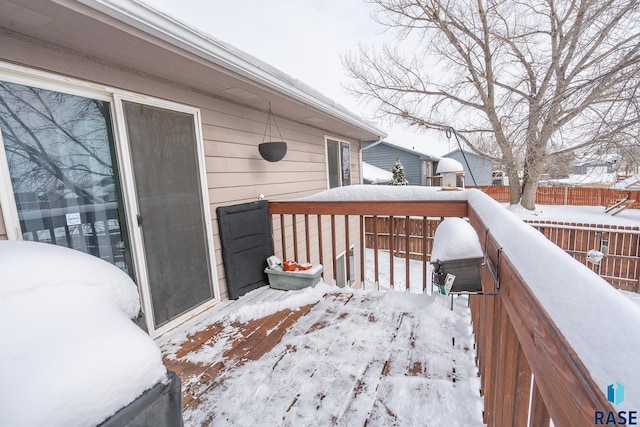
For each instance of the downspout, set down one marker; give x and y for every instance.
(362, 148)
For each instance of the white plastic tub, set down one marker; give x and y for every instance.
(293, 280)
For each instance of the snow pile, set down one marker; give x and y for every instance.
(294, 301)
(455, 239)
(70, 352)
(633, 296)
(525, 213)
(375, 174)
(26, 266)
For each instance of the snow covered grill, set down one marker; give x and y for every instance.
(457, 257)
(466, 272)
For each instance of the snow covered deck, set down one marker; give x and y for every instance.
(544, 337)
(325, 356)
(544, 329)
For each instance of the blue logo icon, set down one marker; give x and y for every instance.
(615, 393)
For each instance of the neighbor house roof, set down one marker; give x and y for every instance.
(424, 155)
(215, 52)
(375, 174)
(457, 150)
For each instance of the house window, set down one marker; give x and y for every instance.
(61, 160)
(338, 163)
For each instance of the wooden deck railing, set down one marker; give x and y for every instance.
(620, 267)
(530, 373)
(344, 223)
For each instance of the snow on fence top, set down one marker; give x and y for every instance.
(598, 322)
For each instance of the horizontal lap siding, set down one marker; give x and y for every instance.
(384, 156)
(235, 171)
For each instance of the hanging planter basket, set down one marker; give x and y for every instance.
(272, 151)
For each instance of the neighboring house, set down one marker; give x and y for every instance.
(418, 166)
(123, 130)
(630, 183)
(589, 171)
(604, 165)
(374, 175)
(481, 167)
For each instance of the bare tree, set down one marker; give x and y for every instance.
(517, 80)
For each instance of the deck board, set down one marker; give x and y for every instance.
(299, 365)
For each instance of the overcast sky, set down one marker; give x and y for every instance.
(303, 38)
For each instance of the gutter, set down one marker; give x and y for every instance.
(379, 141)
(158, 24)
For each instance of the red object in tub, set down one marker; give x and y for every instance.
(289, 266)
(304, 266)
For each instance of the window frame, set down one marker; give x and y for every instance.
(345, 173)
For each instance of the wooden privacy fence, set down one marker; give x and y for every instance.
(392, 235)
(620, 266)
(576, 196)
(529, 372)
(620, 244)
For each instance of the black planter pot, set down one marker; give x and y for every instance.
(160, 406)
(273, 151)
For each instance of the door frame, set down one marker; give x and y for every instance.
(46, 80)
(131, 200)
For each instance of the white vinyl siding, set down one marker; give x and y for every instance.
(231, 133)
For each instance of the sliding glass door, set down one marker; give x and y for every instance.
(62, 165)
(62, 159)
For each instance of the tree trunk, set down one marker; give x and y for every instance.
(515, 192)
(529, 191)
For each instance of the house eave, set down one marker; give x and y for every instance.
(164, 27)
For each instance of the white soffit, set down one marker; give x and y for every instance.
(158, 24)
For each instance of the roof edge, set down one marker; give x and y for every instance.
(145, 18)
